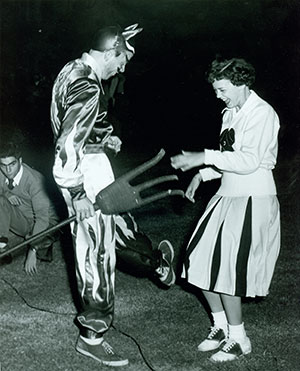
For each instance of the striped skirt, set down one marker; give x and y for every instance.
(235, 246)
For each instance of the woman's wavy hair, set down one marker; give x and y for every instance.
(237, 70)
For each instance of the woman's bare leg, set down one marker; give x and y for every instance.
(214, 301)
(233, 309)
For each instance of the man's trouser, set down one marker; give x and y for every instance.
(12, 219)
(15, 225)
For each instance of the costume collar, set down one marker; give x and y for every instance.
(89, 60)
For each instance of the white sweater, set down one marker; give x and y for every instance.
(248, 169)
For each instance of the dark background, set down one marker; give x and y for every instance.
(167, 102)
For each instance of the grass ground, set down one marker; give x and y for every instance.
(157, 329)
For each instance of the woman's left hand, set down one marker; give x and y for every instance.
(192, 188)
(187, 160)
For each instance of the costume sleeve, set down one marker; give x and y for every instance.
(82, 107)
(258, 148)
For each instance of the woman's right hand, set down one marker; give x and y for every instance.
(193, 186)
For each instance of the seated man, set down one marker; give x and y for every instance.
(25, 208)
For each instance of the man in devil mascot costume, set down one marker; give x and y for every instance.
(81, 170)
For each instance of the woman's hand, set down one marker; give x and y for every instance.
(30, 262)
(193, 186)
(84, 208)
(187, 160)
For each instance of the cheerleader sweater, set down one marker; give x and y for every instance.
(247, 169)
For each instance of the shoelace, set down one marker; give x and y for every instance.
(213, 331)
(108, 348)
(162, 271)
(229, 345)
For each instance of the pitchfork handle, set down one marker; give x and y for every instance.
(42, 234)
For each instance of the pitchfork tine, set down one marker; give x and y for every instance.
(142, 168)
(151, 183)
(158, 196)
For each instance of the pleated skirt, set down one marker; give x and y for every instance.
(235, 246)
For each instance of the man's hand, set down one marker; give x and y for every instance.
(193, 186)
(15, 200)
(187, 160)
(114, 144)
(30, 262)
(84, 208)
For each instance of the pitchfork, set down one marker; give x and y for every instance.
(116, 198)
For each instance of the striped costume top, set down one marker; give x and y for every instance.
(77, 120)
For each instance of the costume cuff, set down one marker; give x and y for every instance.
(77, 192)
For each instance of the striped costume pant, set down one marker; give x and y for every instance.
(94, 250)
(96, 241)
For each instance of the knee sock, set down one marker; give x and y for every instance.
(220, 320)
(237, 332)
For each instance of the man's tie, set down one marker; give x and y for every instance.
(10, 184)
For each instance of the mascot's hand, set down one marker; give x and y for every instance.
(84, 208)
(114, 144)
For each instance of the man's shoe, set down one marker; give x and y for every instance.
(165, 271)
(3, 242)
(215, 338)
(102, 353)
(232, 350)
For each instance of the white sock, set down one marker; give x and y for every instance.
(95, 341)
(237, 332)
(220, 320)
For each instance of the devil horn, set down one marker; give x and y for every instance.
(131, 31)
(132, 27)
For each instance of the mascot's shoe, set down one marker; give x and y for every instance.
(165, 271)
(103, 353)
(215, 338)
(232, 350)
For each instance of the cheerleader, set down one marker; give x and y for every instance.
(233, 250)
